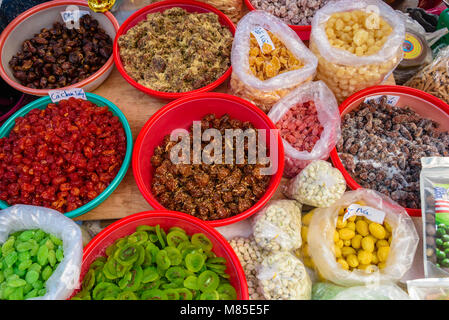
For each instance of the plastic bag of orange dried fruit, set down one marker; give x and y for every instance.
(358, 44)
(365, 237)
(309, 124)
(268, 60)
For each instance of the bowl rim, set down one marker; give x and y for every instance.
(306, 28)
(161, 94)
(180, 216)
(36, 9)
(126, 160)
(216, 95)
(436, 102)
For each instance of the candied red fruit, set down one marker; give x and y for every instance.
(61, 157)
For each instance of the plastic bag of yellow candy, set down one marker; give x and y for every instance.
(268, 60)
(365, 237)
(358, 44)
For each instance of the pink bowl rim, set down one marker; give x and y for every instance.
(40, 7)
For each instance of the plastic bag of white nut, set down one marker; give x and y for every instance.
(282, 276)
(278, 226)
(358, 44)
(317, 185)
(268, 60)
(309, 123)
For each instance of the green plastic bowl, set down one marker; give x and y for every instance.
(41, 104)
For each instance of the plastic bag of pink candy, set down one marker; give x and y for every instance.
(309, 124)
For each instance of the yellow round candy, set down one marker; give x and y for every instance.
(356, 242)
(346, 251)
(346, 233)
(368, 244)
(364, 257)
(382, 253)
(337, 251)
(343, 263)
(352, 260)
(336, 236)
(377, 230)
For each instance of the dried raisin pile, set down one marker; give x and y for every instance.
(381, 147)
(208, 191)
(300, 126)
(61, 157)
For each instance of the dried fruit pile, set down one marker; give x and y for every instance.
(59, 56)
(381, 147)
(61, 157)
(301, 127)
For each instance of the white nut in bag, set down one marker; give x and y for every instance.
(317, 185)
(282, 276)
(245, 84)
(65, 279)
(278, 226)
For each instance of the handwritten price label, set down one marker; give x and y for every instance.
(363, 211)
(58, 95)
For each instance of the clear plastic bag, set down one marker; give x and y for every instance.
(434, 78)
(282, 276)
(429, 289)
(344, 72)
(278, 226)
(328, 116)
(402, 247)
(434, 187)
(318, 185)
(65, 278)
(329, 291)
(266, 93)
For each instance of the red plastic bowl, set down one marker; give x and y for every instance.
(180, 114)
(167, 219)
(421, 102)
(302, 31)
(188, 5)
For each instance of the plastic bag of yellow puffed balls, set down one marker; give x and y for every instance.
(358, 44)
(365, 237)
(268, 60)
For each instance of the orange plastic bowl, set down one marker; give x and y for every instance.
(421, 102)
(302, 31)
(180, 114)
(42, 16)
(161, 6)
(167, 219)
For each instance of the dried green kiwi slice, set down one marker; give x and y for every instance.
(177, 229)
(151, 285)
(145, 228)
(219, 260)
(170, 294)
(184, 294)
(191, 282)
(217, 268)
(104, 289)
(127, 295)
(111, 249)
(89, 279)
(175, 275)
(194, 261)
(113, 269)
(160, 236)
(150, 274)
(138, 237)
(153, 294)
(210, 295)
(226, 292)
(174, 238)
(121, 242)
(153, 249)
(153, 238)
(127, 255)
(162, 260)
(200, 239)
(141, 253)
(174, 255)
(132, 280)
(208, 281)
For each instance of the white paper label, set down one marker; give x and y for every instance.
(363, 211)
(58, 95)
(391, 100)
(72, 15)
(262, 37)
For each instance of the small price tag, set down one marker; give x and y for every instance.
(391, 100)
(364, 211)
(262, 37)
(73, 16)
(58, 95)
